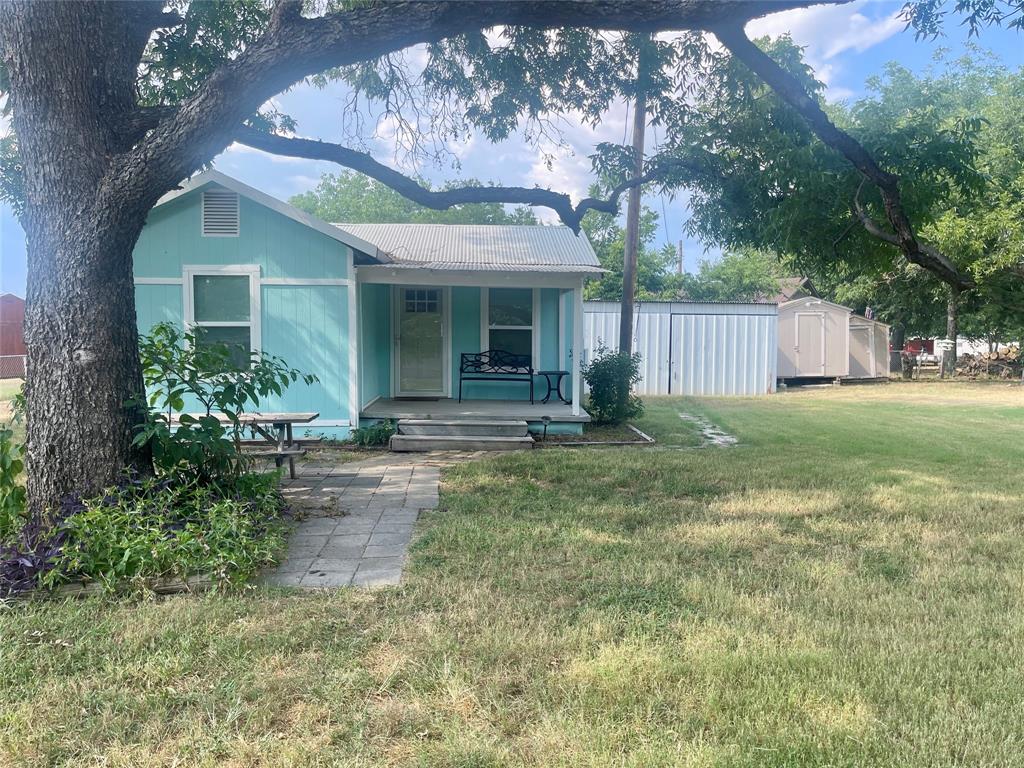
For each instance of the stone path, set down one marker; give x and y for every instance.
(710, 434)
(358, 519)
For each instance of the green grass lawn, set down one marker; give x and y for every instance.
(842, 588)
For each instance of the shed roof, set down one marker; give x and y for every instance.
(481, 247)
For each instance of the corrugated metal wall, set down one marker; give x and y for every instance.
(694, 348)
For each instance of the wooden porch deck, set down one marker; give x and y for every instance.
(448, 408)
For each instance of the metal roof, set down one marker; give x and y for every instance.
(481, 247)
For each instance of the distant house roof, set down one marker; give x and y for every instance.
(481, 247)
(792, 288)
(207, 178)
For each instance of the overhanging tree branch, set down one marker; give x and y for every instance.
(733, 37)
(560, 203)
(295, 47)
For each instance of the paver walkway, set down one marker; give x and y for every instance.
(359, 519)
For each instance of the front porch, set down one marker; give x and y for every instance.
(562, 418)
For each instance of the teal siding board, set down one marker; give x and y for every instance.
(282, 247)
(375, 349)
(308, 327)
(157, 304)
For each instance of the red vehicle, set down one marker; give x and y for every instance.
(923, 350)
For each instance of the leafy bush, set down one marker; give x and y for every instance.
(12, 493)
(152, 529)
(611, 376)
(375, 434)
(179, 366)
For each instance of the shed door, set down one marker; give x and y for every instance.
(810, 343)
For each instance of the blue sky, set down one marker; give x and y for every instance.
(845, 44)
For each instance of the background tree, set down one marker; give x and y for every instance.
(745, 274)
(353, 198)
(781, 188)
(655, 271)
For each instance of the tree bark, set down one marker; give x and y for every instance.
(948, 365)
(897, 340)
(80, 334)
(632, 240)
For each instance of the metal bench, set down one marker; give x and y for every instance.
(495, 365)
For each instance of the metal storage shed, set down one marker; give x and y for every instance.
(814, 339)
(869, 348)
(693, 348)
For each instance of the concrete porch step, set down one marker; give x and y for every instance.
(463, 427)
(421, 443)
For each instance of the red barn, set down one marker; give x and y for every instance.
(12, 336)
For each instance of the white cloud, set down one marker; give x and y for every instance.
(829, 30)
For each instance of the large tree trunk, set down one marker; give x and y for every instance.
(83, 362)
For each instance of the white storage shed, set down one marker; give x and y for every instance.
(693, 348)
(814, 339)
(869, 348)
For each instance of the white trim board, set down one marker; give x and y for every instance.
(354, 336)
(433, 277)
(305, 281)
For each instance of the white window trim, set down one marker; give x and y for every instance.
(191, 271)
(486, 327)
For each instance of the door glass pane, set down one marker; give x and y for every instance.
(518, 341)
(510, 306)
(223, 298)
(238, 341)
(421, 342)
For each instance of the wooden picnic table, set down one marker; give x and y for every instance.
(275, 429)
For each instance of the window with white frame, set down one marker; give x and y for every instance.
(223, 308)
(510, 320)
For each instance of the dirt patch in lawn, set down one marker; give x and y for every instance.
(603, 434)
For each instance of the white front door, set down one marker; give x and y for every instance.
(420, 342)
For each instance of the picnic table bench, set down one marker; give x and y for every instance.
(275, 434)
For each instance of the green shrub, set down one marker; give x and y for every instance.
(179, 367)
(152, 529)
(375, 434)
(12, 493)
(610, 377)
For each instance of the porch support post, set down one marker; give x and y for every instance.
(354, 340)
(577, 348)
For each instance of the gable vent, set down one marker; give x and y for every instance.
(220, 213)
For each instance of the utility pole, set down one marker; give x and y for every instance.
(629, 257)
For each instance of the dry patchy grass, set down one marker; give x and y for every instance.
(842, 588)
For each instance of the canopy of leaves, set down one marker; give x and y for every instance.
(353, 198)
(949, 134)
(741, 275)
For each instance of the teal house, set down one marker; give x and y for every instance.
(388, 316)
